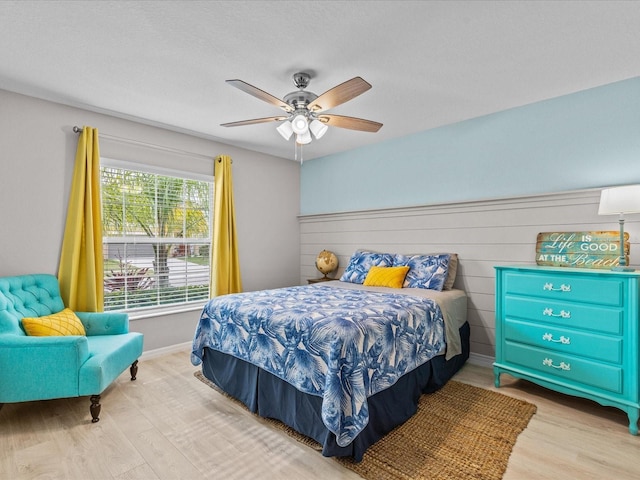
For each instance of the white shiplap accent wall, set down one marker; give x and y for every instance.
(483, 234)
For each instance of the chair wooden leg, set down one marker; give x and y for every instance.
(95, 408)
(134, 370)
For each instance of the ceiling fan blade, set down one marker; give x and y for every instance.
(254, 121)
(261, 94)
(351, 123)
(339, 94)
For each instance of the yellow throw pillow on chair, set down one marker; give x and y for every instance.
(62, 323)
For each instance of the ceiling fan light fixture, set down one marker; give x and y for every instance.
(285, 130)
(318, 128)
(303, 138)
(299, 124)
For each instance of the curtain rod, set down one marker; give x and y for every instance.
(178, 151)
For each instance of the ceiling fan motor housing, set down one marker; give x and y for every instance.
(300, 99)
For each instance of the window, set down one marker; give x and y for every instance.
(157, 237)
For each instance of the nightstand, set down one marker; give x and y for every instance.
(318, 280)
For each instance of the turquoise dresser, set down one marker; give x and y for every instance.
(571, 330)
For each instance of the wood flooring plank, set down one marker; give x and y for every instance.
(40, 460)
(168, 425)
(165, 458)
(142, 472)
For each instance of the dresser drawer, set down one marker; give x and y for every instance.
(564, 340)
(565, 368)
(575, 288)
(573, 315)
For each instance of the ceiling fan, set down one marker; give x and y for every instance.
(304, 109)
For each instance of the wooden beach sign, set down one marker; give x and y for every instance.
(581, 249)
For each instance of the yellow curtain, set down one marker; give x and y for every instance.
(225, 263)
(81, 271)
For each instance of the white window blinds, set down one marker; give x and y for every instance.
(157, 237)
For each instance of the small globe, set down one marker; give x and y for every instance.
(326, 262)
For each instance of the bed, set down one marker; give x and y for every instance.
(342, 362)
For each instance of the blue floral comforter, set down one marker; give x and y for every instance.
(341, 344)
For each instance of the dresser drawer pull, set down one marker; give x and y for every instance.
(563, 288)
(547, 362)
(563, 340)
(549, 313)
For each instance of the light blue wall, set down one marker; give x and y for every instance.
(584, 140)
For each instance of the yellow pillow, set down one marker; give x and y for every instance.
(386, 276)
(62, 323)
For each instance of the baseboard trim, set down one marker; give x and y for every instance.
(481, 360)
(158, 352)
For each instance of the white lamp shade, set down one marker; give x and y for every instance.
(304, 138)
(285, 130)
(620, 200)
(318, 128)
(299, 124)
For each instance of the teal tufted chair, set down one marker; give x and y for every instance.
(41, 368)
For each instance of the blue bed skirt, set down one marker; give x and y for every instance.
(270, 397)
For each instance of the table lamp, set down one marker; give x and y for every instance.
(618, 201)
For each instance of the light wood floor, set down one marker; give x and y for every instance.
(169, 425)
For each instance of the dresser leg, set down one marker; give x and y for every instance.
(633, 415)
(496, 378)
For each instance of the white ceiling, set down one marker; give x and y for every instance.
(431, 63)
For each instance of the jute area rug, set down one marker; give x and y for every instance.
(460, 432)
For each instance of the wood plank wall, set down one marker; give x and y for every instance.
(482, 233)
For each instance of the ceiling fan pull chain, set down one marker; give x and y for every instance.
(297, 146)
